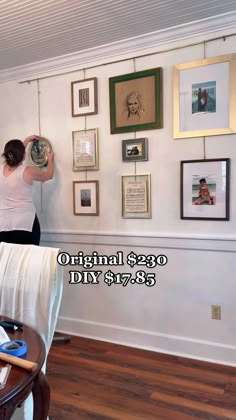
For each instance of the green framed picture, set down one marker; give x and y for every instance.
(136, 101)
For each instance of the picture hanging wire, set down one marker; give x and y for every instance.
(182, 47)
(135, 167)
(85, 125)
(204, 138)
(39, 132)
(85, 121)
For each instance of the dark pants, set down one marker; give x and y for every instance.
(22, 236)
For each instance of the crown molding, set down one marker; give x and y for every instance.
(125, 49)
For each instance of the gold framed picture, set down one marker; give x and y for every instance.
(205, 97)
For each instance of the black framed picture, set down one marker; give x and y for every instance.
(204, 189)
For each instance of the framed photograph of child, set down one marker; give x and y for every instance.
(86, 198)
(136, 101)
(135, 149)
(204, 97)
(204, 189)
(136, 196)
(84, 97)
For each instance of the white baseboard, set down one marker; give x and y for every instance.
(163, 343)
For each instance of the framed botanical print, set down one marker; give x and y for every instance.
(204, 189)
(84, 97)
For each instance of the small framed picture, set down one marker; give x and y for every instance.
(136, 196)
(86, 198)
(84, 97)
(85, 150)
(136, 101)
(135, 150)
(204, 189)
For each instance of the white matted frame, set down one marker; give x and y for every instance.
(85, 150)
(136, 196)
(204, 189)
(84, 97)
(205, 97)
(86, 198)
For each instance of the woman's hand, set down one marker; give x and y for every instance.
(28, 139)
(50, 155)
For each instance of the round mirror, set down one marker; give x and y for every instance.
(38, 152)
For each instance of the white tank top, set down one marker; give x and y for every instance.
(17, 210)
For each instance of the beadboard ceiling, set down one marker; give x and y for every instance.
(36, 30)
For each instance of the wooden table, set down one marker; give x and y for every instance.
(21, 382)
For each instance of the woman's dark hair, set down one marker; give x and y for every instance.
(14, 152)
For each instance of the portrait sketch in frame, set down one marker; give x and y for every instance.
(85, 150)
(204, 189)
(86, 198)
(136, 196)
(84, 97)
(135, 150)
(136, 101)
(204, 97)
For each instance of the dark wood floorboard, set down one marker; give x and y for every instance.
(92, 379)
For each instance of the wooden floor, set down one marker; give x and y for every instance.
(91, 379)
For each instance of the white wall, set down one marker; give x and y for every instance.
(174, 315)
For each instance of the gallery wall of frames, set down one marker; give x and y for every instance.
(203, 106)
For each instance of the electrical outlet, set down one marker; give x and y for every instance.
(216, 312)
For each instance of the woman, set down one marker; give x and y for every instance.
(18, 220)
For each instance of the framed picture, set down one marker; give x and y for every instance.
(204, 189)
(85, 150)
(86, 198)
(38, 151)
(204, 97)
(135, 150)
(136, 101)
(136, 196)
(84, 97)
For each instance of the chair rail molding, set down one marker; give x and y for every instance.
(165, 241)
